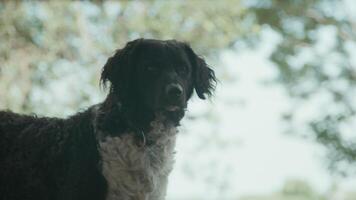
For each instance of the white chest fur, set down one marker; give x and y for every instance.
(138, 173)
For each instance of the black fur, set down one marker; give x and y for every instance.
(51, 158)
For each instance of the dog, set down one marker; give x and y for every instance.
(120, 149)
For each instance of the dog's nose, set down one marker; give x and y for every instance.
(174, 90)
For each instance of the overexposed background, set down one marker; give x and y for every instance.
(281, 123)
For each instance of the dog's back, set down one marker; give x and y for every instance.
(48, 158)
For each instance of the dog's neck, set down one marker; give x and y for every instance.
(115, 117)
(132, 170)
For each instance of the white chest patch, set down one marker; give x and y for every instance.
(138, 173)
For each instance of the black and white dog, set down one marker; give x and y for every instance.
(119, 149)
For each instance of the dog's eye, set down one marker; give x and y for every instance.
(182, 70)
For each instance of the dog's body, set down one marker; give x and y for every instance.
(120, 149)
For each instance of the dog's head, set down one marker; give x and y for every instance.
(157, 76)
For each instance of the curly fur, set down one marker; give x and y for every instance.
(135, 171)
(122, 148)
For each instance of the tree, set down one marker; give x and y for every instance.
(38, 45)
(315, 63)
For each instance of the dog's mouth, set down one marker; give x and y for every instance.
(172, 105)
(172, 108)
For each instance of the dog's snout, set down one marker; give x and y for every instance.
(174, 90)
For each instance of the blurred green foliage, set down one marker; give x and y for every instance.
(41, 42)
(315, 60)
(300, 190)
(292, 190)
(37, 38)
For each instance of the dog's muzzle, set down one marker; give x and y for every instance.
(174, 93)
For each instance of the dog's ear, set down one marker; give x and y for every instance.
(117, 69)
(204, 78)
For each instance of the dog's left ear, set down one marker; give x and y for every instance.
(204, 77)
(118, 68)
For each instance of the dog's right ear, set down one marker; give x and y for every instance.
(117, 69)
(203, 76)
